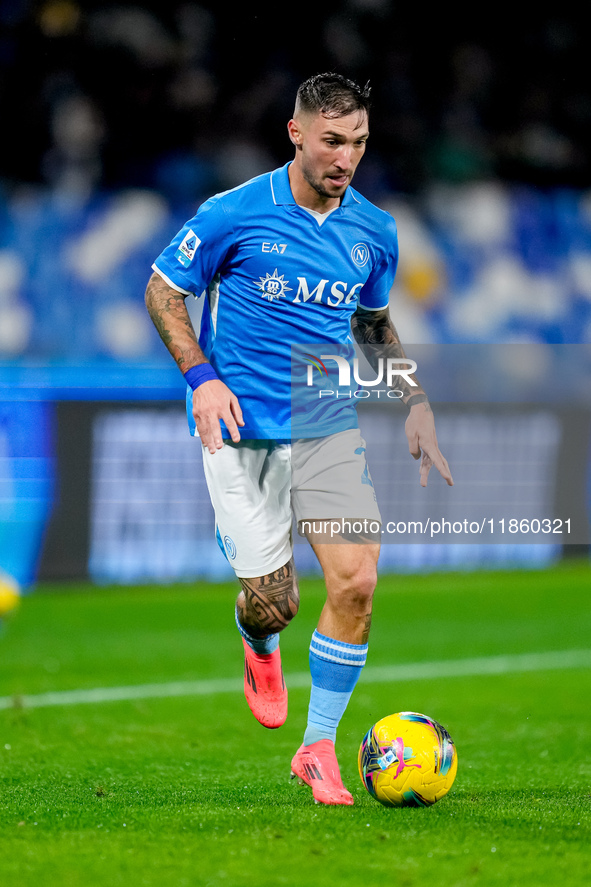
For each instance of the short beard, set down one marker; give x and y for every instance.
(317, 186)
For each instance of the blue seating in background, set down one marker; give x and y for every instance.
(79, 271)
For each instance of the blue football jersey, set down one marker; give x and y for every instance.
(273, 277)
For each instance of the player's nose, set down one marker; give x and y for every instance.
(343, 158)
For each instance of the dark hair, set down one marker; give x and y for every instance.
(332, 95)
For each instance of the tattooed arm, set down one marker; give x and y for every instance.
(375, 328)
(166, 306)
(213, 400)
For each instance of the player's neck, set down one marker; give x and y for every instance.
(307, 196)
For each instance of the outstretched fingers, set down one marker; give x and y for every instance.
(440, 463)
(422, 443)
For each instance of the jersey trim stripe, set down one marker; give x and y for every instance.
(380, 308)
(214, 301)
(169, 281)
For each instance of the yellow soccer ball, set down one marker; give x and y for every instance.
(9, 595)
(407, 760)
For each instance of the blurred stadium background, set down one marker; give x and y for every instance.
(119, 119)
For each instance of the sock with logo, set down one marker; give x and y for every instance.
(335, 667)
(262, 646)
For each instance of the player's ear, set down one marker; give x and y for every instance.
(295, 132)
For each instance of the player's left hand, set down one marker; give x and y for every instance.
(422, 443)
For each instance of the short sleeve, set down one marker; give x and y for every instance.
(375, 293)
(194, 256)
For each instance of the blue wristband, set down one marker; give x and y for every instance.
(196, 376)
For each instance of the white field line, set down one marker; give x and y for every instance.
(417, 671)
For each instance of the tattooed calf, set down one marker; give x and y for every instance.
(268, 603)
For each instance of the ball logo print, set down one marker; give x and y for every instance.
(360, 254)
(399, 755)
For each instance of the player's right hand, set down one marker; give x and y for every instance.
(422, 443)
(213, 401)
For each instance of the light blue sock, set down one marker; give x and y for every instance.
(335, 667)
(262, 646)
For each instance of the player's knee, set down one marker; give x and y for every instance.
(354, 588)
(363, 586)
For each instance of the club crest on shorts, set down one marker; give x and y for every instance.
(230, 547)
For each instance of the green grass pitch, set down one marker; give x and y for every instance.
(192, 791)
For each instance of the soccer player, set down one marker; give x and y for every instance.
(291, 257)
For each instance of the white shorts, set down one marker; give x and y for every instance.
(257, 487)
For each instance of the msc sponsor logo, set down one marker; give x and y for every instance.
(275, 286)
(340, 291)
